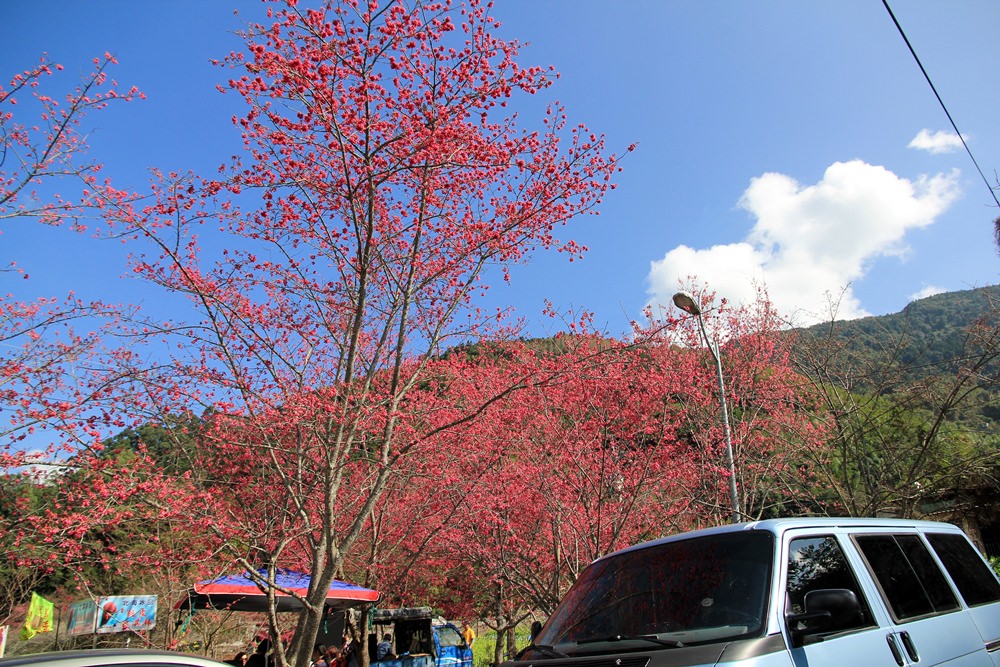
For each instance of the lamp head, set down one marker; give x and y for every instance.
(686, 302)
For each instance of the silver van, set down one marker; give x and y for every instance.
(800, 592)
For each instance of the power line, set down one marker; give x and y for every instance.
(941, 102)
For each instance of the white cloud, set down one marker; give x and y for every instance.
(39, 464)
(930, 290)
(938, 142)
(809, 243)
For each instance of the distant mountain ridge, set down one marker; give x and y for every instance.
(926, 344)
(933, 328)
(947, 309)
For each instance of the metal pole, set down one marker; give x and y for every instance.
(714, 349)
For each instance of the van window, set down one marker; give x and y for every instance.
(448, 636)
(910, 580)
(817, 563)
(976, 583)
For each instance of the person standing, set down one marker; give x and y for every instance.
(384, 647)
(349, 653)
(262, 656)
(468, 634)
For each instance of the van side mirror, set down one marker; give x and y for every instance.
(826, 610)
(536, 627)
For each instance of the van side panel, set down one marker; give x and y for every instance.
(868, 648)
(826, 556)
(927, 617)
(975, 582)
(987, 619)
(949, 638)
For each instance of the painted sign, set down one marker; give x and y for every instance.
(126, 613)
(82, 618)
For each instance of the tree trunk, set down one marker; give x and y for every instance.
(511, 634)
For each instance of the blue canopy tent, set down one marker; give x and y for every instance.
(242, 593)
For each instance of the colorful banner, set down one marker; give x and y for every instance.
(126, 613)
(82, 618)
(41, 615)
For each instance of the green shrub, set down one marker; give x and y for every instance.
(483, 647)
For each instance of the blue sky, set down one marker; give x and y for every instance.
(791, 143)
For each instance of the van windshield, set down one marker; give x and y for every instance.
(692, 591)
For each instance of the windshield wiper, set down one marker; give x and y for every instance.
(547, 651)
(653, 639)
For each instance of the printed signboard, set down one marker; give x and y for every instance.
(126, 613)
(82, 617)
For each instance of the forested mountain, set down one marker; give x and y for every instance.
(928, 334)
(913, 399)
(938, 338)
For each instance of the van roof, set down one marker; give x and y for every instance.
(780, 526)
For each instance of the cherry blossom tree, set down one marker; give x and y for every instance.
(54, 408)
(579, 467)
(775, 414)
(623, 445)
(42, 143)
(383, 182)
(43, 149)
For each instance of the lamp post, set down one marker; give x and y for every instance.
(687, 303)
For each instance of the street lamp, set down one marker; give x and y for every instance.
(687, 303)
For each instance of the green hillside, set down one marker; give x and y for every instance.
(938, 338)
(928, 333)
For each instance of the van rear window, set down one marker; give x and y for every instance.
(911, 582)
(977, 584)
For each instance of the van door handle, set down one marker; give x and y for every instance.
(896, 653)
(911, 650)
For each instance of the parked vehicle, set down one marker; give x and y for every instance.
(419, 639)
(110, 658)
(782, 593)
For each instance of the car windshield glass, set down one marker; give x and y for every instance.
(448, 636)
(692, 591)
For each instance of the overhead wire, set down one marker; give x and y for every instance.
(913, 52)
